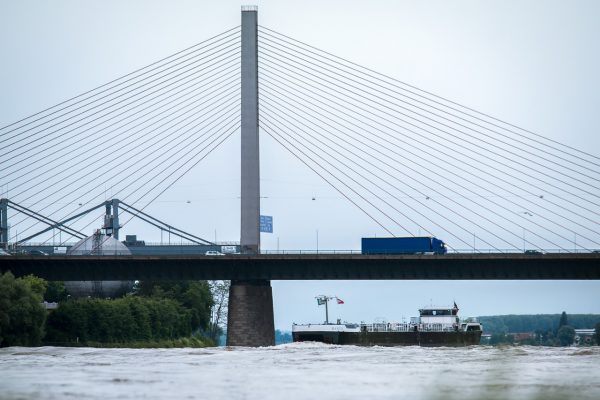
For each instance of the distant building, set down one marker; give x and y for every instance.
(50, 306)
(584, 336)
(519, 337)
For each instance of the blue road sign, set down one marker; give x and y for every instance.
(266, 223)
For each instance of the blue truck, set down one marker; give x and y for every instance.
(403, 245)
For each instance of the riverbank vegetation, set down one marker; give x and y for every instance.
(129, 319)
(153, 314)
(21, 315)
(165, 314)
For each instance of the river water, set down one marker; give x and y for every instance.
(301, 371)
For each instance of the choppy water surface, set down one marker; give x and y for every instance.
(301, 371)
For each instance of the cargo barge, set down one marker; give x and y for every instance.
(435, 326)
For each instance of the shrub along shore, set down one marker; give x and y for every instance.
(173, 314)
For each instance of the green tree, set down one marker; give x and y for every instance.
(21, 314)
(598, 333)
(563, 320)
(198, 299)
(128, 319)
(282, 337)
(37, 285)
(141, 316)
(193, 295)
(56, 292)
(566, 335)
(550, 339)
(218, 322)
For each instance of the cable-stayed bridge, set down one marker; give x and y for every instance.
(411, 162)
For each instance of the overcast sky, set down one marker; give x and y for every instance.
(533, 63)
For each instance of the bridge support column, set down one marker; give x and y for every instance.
(250, 172)
(4, 224)
(250, 317)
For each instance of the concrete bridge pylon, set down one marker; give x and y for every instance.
(250, 317)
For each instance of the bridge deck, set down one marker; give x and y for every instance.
(308, 267)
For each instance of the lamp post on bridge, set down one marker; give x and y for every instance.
(531, 215)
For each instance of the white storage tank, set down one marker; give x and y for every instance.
(100, 245)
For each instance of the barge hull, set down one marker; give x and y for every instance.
(428, 339)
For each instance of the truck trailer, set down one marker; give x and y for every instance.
(403, 245)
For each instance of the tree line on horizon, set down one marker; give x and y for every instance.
(515, 323)
(546, 329)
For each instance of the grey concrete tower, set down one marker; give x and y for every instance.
(250, 316)
(250, 187)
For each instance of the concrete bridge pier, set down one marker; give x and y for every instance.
(250, 317)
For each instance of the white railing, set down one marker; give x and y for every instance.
(404, 327)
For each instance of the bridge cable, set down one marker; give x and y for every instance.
(237, 84)
(102, 125)
(156, 174)
(230, 98)
(450, 189)
(233, 52)
(271, 120)
(289, 48)
(13, 124)
(105, 134)
(165, 152)
(43, 218)
(134, 87)
(382, 104)
(269, 131)
(378, 159)
(267, 117)
(377, 75)
(124, 145)
(280, 111)
(295, 92)
(136, 212)
(165, 168)
(223, 137)
(434, 134)
(62, 222)
(228, 92)
(101, 133)
(113, 81)
(378, 121)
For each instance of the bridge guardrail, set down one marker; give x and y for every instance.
(455, 251)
